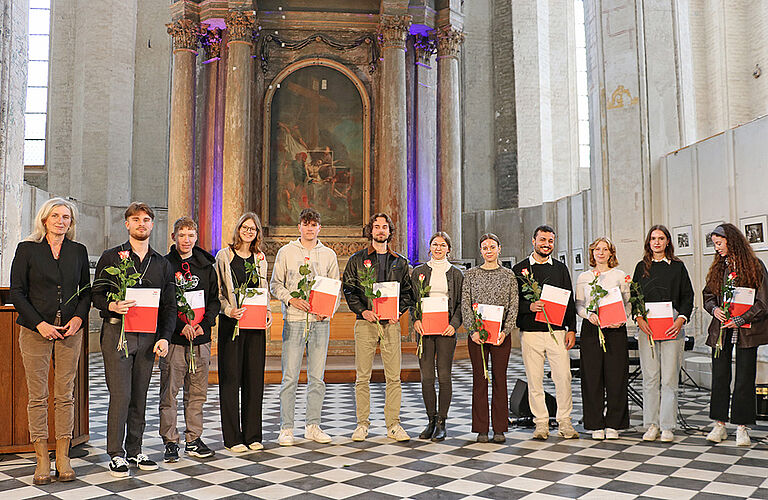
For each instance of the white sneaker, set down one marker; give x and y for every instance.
(742, 436)
(361, 432)
(256, 446)
(397, 433)
(667, 436)
(313, 432)
(652, 433)
(285, 438)
(718, 433)
(598, 434)
(238, 448)
(611, 433)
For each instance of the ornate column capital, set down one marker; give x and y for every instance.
(393, 30)
(211, 42)
(425, 47)
(240, 26)
(185, 33)
(449, 40)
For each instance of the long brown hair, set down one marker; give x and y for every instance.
(741, 259)
(237, 241)
(669, 251)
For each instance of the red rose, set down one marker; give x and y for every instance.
(421, 277)
(367, 263)
(124, 254)
(474, 306)
(524, 271)
(179, 276)
(627, 279)
(306, 259)
(732, 276)
(596, 273)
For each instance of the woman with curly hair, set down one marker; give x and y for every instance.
(734, 255)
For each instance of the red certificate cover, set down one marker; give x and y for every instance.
(660, 318)
(492, 318)
(610, 309)
(434, 315)
(743, 299)
(196, 300)
(142, 317)
(255, 316)
(323, 296)
(555, 302)
(388, 305)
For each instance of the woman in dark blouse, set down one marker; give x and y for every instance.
(49, 288)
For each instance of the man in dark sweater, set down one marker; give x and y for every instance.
(194, 267)
(128, 368)
(538, 343)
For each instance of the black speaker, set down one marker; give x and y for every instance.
(518, 401)
(761, 397)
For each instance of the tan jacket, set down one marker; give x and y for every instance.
(226, 287)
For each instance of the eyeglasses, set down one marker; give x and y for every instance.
(249, 229)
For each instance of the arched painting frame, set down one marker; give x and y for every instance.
(322, 160)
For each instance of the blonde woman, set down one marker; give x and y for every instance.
(48, 268)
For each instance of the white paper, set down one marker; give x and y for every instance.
(434, 304)
(195, 299)
(387, 288)
(491, 313)
(614, 296)
(329, 286)
(659, 310)
(556, 295)
(144, 297)
(260, 299)
(743, 295)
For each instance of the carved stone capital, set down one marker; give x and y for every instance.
(449, 40)
(185, 33)
(393, 30)
(240, 26)
(211, 41)
(425, 47)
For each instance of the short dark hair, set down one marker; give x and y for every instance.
(184, 222)
(309, 215)
(368, 229)
(544, 228)
(136, 207)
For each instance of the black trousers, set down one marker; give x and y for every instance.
(241, 382)
(742, 401)
(604, 377)
(440, 349)
(498, 374)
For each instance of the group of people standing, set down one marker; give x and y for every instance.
(52, 291)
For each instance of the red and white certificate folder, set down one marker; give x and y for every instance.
(492, 318)
(555, 302)
(661, 317)
(434, 315)
(255, 316)
(196, 300)
(142, 316)
(388, 305)
(610, 309)
(743, 299)
(323, 296)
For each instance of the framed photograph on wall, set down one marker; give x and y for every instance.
(707, 246)
(563, 257)
(508, 262)
(682, 237)
(464, 264)
(755, 230)
(578, 259)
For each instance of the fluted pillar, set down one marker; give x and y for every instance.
(392, 170)
(426, 143)
(449, 135)
(181, 157)
(237, 100)
(210, 154)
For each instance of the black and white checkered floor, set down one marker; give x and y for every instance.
(379, 468)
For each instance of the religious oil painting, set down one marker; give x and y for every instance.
(317, 148)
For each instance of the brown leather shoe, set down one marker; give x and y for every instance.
(43, 463)
(63, 467)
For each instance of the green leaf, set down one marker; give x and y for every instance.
(112, 270)
(295, 295)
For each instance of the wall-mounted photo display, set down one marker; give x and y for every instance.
(563, 257)
(754, 229)
(706, 237)
(578, 259)
(682, 237)
(508, 262)
(464, 264)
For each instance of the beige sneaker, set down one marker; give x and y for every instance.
(397, 433)
(256, 446)
(285, 438)
(598, 435)
(611, 433)
(361, 432)
(566, 430)
(667, 436)
(238, 448)
(652, 434)
(541, 431)
(718, 433)
(313, 432)
(742, 436)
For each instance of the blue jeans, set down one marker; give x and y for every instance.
(293, 352)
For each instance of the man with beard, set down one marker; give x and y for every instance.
(388, 266)
(538, 343)
(128, 374)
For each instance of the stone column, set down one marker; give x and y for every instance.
(392, 169)
(210, 154)
(426, 143)
(181, 159)
(449, 135)
(13, 92)
(237, 100)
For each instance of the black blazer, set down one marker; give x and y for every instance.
(455, 279)
(36, 275)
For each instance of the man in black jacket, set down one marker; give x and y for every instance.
(538, 343)
(388, 266)
(189, 354)
(128, 367)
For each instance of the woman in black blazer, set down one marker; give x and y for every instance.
(49, 288)
(445, 280)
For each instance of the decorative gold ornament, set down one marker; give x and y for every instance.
(185, 33)
(240, 26)
(393, 30)
(621, 97)
(449, 40)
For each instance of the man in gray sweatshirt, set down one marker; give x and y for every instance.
(307, 249)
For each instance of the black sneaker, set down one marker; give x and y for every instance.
(118, 467)
(142, 462)
(171, 452)
(198, 449)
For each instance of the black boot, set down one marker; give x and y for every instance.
(429, 430)
(439, 434)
